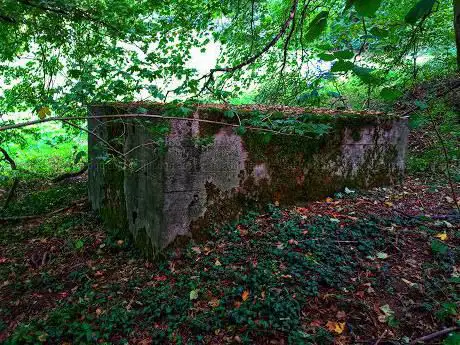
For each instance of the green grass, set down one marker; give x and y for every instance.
(46, 153)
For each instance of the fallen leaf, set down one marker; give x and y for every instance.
(408, 282)
(386, 310)
(245, 295)
(382, 255)
(341, 315)
(336, 327)
(196, 250)
(194, 294)
(146, 341)
(214, 302)
(217, 263)
(43, 112)
(360, 294)
(348, 191)
(242, 230)
(316, 323)
(42, 337)
(99, 273)
(449, 225)
(120, 242)
(388, 203)
(442, 236)
(382, 318)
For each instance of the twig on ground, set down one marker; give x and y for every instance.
(381, 337)
(434, 335)
(70, 175)
(63, 209)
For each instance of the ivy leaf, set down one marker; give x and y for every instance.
(240, 130)
(317, 26)
(342, 66)
(382, 255)
(438, 247)
(421, 9)
(452, 339)
(367, 8)
(79, 244)
(421, 104)
(386, 310)
(230, 113)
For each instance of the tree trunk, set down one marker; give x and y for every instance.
(457, 29)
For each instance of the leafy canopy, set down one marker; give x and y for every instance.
(57, 56)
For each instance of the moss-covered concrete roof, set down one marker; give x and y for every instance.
(286, 110)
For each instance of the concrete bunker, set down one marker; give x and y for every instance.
(163, 171)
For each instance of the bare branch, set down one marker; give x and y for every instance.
(154, 116)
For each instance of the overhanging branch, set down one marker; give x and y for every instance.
(230, 69)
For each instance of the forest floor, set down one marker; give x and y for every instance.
(375, 267)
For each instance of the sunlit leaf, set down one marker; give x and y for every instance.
(43, 112)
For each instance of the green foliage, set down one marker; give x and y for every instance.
(452, 339)
(430, 157)
(42, 202)
(421, 9)
(317, 26)
(366, 8)
(342, 66)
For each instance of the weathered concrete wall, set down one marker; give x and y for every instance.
(176, 177)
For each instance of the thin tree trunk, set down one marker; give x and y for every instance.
(457, 29)
(12, 163)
